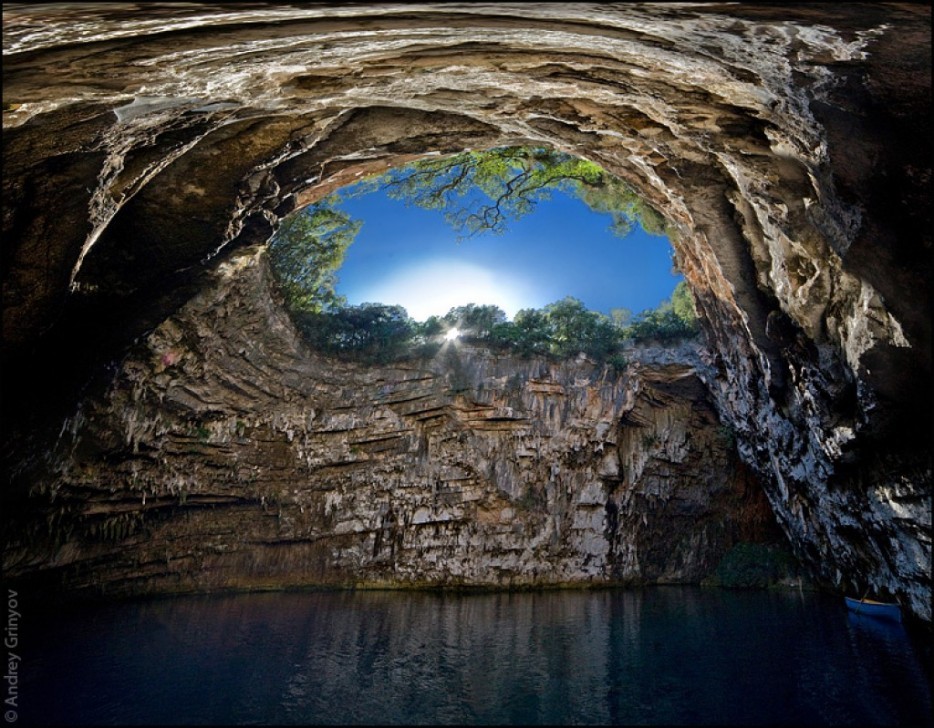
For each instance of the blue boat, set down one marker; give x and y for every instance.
(872, 608)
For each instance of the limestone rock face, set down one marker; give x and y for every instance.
(224, 454)
(144, 145)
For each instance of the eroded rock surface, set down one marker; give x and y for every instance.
(224, 454)
(789, 148)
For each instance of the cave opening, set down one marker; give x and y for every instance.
(818, 365)
(541, 236)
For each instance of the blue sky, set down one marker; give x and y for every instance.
(410, 257)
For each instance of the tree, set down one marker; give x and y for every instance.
(528, 333)
(306, 252)
(475, 320)
(620, 317)
(567, 322)
(605, 338)
(370, 332)
(481, 190)
(431, 327)
(682, 303)
(613, 196)
(428, 336)
(661, 324)
(573, 329)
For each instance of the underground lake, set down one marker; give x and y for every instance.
(653, 656)
(273, 452)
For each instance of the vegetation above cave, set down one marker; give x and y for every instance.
(478, 192)
(481, 191)
(379, 333)
(305, 254)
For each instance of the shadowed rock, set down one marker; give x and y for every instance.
(788, 147)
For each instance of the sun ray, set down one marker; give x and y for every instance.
(435, 287)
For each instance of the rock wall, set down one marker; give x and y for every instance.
(788, 146)
(224, 454)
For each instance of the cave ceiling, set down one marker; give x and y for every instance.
(789, 147)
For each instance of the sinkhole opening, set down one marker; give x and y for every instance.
(526, 249)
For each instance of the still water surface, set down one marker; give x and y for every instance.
(667, 655)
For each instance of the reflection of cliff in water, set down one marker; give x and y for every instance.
(668, 655)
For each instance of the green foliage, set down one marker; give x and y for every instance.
(479, 191)
(574, 329)
(306, 252)
(370, 332)
(610, 195)
(682, 303)
(561, 329)
(432, 326)
(617, 362)
(674, 319)
(528, 333)
(377, 333)
(621, 317)
(475, 321)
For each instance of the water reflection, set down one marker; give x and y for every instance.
(655, 656)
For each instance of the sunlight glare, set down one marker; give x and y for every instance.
(451, 334)
(434, 287)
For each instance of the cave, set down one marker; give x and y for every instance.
(150, 152)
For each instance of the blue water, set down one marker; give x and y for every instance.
(666, 655)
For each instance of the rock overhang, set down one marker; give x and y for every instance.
(777, 141)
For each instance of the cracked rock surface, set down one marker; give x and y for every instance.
(789, 147)
(224, 454)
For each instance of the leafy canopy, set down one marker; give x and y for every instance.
(306, 252)
(479, 191)
(374, 332)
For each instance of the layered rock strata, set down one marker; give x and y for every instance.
(224, 454)
(786, 145)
